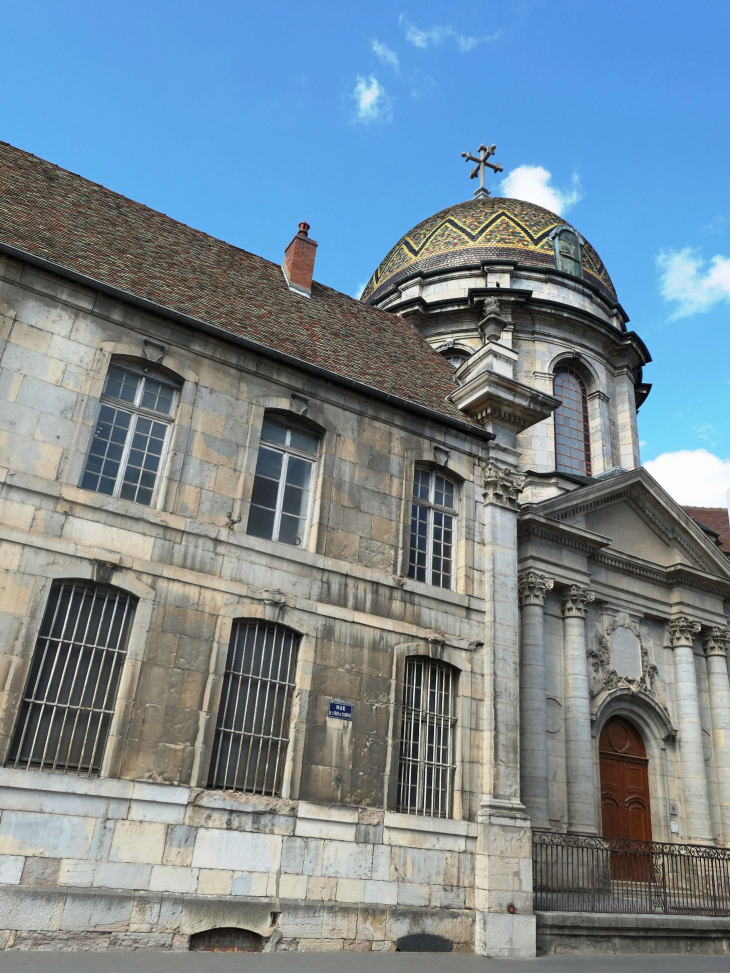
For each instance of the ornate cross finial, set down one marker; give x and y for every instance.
(485, 151)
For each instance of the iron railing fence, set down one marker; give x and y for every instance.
(584, 873)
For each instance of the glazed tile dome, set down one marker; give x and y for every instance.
(491, 228)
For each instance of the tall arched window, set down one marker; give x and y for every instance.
(252, 732)
(572, 434)
(71, 692)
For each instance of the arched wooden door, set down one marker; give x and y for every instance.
(624, 782)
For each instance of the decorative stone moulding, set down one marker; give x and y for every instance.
(502, 486)
(716, 641)
(682, 631)
(604, 676)
(532, 588)
(574, 601)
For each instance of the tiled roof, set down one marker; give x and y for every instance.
(492, 228)
(61, 217)
(716, 518)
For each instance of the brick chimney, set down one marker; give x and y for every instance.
(298, 263)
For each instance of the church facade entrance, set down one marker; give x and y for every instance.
(625, 804)
(625, 807)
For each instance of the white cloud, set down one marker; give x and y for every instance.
(694, 288)
(435, 35)
(373, 104)
(386, 55)
(693, 477)
(532, 183)
(360, 288)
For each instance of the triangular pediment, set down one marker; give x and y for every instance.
(641, 520)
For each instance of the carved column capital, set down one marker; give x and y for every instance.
(532, 588)
(682, 631)
(502, 486)
(716, 641)
(574, 601)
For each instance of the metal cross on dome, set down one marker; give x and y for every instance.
(485, 151)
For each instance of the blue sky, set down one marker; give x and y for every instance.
(243, 119)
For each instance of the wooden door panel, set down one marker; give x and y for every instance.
(624, 782)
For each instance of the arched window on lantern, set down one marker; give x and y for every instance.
(455, 356)
(567, 252)
(572, 432)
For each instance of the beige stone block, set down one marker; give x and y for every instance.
(138, 841)
(29, 337)
(320, 945)
(358, 945)
(15, 593)
(342, 545)
(171, 878)
(227, 482)
(188, 500)
(93, 534)
(321, 888)
(208, 422)
(29, 456)
(383, 530)
(216, 881)
(13, 386)
(10, 555)
(371, 923)
(293, 886)
(340, 924)
(383, 946)
(350, 890)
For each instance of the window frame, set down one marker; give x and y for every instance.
(287, 451)
(432, 508)
(425, 717)
(587, 457)
(565, 231)
(136, 410)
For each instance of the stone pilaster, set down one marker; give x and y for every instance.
(716, 642)
(505, 924)
(532, 589)
(580, 771)
(682, 632)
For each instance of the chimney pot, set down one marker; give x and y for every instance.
(298, 266)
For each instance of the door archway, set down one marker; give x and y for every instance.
(625, 807)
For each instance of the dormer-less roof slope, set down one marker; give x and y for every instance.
(60, 217)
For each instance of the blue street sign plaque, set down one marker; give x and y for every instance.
(340, 711)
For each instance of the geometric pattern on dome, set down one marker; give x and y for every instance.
(492, 228)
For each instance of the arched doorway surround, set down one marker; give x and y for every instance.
(625, 805)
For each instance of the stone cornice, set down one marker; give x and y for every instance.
(574, 601)
(532, 588)
(490, 396)
(682, 631)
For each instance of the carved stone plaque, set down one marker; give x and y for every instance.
(626, 652)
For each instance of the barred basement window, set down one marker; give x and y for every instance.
(132, 428)
(282, 487)
(252, 733)
(71, 691)
(431, 556)
(572, 431)
(428, 726)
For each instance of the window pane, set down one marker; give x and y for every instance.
(157, 395)
(572, 436)
(273, 432)
(102, 466)
(443, 492)
(260, 522)
(147, 443)
(291, 530)
(306, 441)
(122, 384)
(419, 541)
(295, 501)
(298, 471)
(252, 730)
(269, 463)
(265, 492)
(421, 485)
(71, 691)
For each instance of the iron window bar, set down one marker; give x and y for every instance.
(70, 695)
(585, 873)
(252, 731)
(427, 764)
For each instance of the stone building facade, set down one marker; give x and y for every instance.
(305, 627)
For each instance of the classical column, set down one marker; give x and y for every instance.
(577, 714)
(682, 632)
(532, 589)
(505, 924)
(717, 642)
